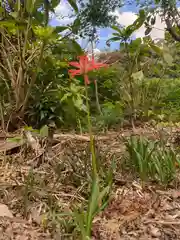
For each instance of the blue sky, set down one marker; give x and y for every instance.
(125, 16)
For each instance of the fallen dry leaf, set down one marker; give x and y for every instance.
(4, 211)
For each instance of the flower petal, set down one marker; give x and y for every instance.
(99, 65)
(74, 72)
(74, 64)
(86, 79)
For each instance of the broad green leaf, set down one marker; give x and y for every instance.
(73, 5)
(116, 29)
(168, 58)
(135, 44)
(139, 21)
(167, 55)
(114, 39)
(75, 46)
(44, 131)
(76, 25)
(116, 34)
(129, 30)
(156, 49)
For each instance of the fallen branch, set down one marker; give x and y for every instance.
(78, 137)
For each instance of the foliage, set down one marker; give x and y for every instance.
(151, 160)
(169, 12)
(97, 202)
(112, 114)
(140, 155)
(94, 14)
(25, 42)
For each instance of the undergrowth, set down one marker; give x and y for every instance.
(151, 160)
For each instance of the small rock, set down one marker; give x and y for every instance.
(155, 232)
(4, 211)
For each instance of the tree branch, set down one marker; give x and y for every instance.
(171, 30)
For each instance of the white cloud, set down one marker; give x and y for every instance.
(63, 13)
(127, 18)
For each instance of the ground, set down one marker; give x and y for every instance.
(38, 190)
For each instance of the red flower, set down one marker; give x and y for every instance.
(84, 66)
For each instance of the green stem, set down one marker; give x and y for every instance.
(97, 97)
(94, 165)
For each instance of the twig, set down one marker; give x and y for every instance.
(78, 137)
(163, 222)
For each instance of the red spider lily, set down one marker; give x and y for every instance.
(84, 66)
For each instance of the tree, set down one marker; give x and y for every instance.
(94, 14)
(168, 10)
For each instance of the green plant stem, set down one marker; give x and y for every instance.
(95, 82)
(97, 97)
(94, 165)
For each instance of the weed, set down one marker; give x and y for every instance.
(164, 161)
(151, 160)
(97, 202)
(140, 154)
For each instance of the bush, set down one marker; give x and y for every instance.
(112, 114)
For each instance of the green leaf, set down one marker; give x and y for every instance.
(153, 20)
(44, 33)
(55, 3)
(114, 39)
(15, 139)
(129, 30)
(93, 204)
(168, 58)
(64, 98)
(1, 10)
(73, 5)
(116, 29)
(76, 47)
(76, 25)
(138, 75)
(116, 34)
(14, 14)
(30, 4)
(148, 30)
(59, 29)
(44, 131)
(156, 49)
(78, 217)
